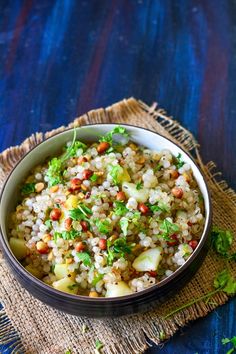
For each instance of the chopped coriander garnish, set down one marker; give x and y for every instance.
(120, 208)
(98, 345)
(68, 351)
(73, 148)
(120, 246)
(94, 177)
(66, 235)
(168, 228)
(97, 279)
(109, 137)
(28, 188)
(104, 226)
(157, 167)
(114, 172)
(221, 242)
(118, 249)
(124, 223)
(85, 258)
(48, 223)
(179, 161)
(139, 186)
(80, 213)
(159, 207)
(55, 171)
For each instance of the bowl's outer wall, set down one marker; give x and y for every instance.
(82, 305)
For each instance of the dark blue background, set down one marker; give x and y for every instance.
(60, 59)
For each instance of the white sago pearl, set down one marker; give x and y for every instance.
(132, 203)
(38, 176)
(86, 183)
(168, 272)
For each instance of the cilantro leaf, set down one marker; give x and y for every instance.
(66, 235)
(28, 188)
(114, 172)
(80, 213)
(70, 235)
(110, 253)
(124, 223)
(118, 249)
(94, 177)
(120, 208)
(97, 279)
(84, 257)
(118, 131)
(179, 161)
(159, 207)
(168, 228)
(48, 223)
(222, 241)
(98, 345)
(226, 282)
(120, 246)
(55, 171)
(104, 226)
(74, 147)
(68, 351)
(139, 186)
(157, 168)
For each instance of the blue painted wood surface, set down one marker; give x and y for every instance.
(60, 59)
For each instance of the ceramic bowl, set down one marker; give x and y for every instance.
(83, 305)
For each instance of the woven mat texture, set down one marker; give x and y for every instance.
(47, 331)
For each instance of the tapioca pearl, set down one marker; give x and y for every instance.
(106, 184)
(38, 176)
(86, 183)
(43, 228)
(168, 272)
(180, 261)
(35, 227)
(98, 202)
(95, 208)
(39, 222)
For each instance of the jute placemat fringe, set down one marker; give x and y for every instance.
(47, 331)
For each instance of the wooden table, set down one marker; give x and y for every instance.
(60, 59)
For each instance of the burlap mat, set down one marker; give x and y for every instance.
(47, 331)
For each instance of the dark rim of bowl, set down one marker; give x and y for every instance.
(84, 298)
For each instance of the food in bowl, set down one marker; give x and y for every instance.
(107, 218)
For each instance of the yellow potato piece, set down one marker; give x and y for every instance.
(67, 285)
(130, 190)
(118, 289)
(18, 247)
(148, 260)
(71, 202)
(34, 271)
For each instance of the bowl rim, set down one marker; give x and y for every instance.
(83, 298)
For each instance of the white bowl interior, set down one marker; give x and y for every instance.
(52, 147)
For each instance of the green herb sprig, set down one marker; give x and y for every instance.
(118, 130)
(28, 188)
(221, 242)
(179, 161)
(223, 281)
(232, 341)
(168, 228)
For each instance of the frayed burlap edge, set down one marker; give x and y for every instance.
(123, 335)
